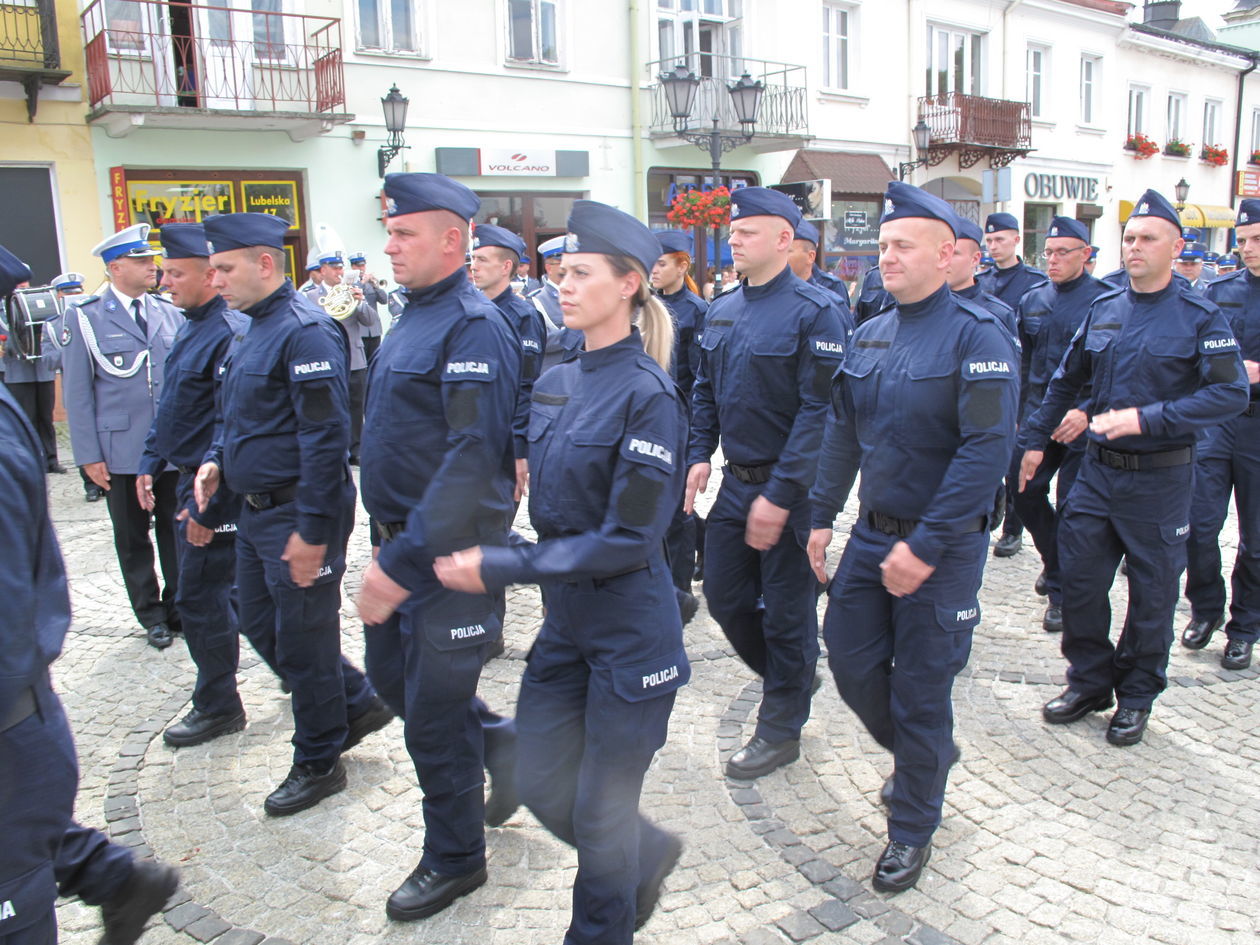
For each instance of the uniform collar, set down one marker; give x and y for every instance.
(1151, 298)
(272, 302)
(970, 292)
(125, 298)
(769, 288)
(1009, 270)
(431, 292)
(198, 312)
(1251, 280)
(1072, 283)
(924, 306)
(631, 345)
(503, 297)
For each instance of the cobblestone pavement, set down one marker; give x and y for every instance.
(1050, 835)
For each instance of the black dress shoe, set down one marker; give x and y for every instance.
(1052, 621)
(1237, 654)
(141, 897)
(649, 891)
(899, 866)
(159, 636)
(1008, 545)
(503, 800)
(425, 893)
(886, 792)
(303, 788)
(93, 493)
(1127, 726)
(688, 606)
(1198, 633)
(1070, 705)
(197, 727)
(760, 757)
(373, 719)
(56, 467)
(1041, 586)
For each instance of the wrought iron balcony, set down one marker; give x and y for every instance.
(201, 66)
(976, 128)
(782, 121)
(28, 48)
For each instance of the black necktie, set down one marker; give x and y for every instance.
(144, 326)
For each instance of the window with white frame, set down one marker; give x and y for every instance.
(389, 25)
(706, 35)
(532, 31)
(839, 20)
(1091, 74)
(1176, 117)
(955, 61)
(1139, 110)
(1211, 123)
(1037, 63)
(1255, 130)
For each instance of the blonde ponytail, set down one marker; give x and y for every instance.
(648, 313)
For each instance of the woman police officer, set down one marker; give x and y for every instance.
(606, 434)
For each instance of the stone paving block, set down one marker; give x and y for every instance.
(207, 928)
(835, 915)
(761, 936)
(182, 916)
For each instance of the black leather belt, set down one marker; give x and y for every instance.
(904, 527)
(24, 706)
(389, 530)
(751, 475)
(1135, 462)
(260, 501)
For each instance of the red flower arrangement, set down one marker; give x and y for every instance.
(707, 208)
(1214, 155)
(1141, 146)
(1255, 157)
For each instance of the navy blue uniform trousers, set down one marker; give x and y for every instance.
(766, 604)
(894, 660)
(1228, 461)
(1142, 516)
(1040, 517)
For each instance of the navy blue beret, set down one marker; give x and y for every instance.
(598, 228)
(415, 193)
(225, 231)
(996, 222)
(487, 234)
(674, 241)
(184, 241)
(903, 200)
(807, 231)
(969, 230)
(1190, 235)
(12, 271)
(1192, 252)
(764, 202)
(1154, 204)
(1068, 228)
(1249, 212)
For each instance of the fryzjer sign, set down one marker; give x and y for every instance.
(522, 163)
(1061, 187)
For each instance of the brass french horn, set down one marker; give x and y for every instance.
(340, 303)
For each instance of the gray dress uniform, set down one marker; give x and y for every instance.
(111, 380)
(354, 326)
(32, 385)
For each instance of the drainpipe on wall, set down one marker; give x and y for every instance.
(1242, 81)
(636, 117)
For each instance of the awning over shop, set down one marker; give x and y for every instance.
(1202, 215)
(850, 173)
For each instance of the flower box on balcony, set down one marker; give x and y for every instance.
(1177, 148)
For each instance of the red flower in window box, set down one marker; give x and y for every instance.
(706, 208)
(1141, 146)
(1215, 155)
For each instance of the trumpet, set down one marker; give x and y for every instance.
(340, 302)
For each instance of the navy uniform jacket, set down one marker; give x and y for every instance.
(109, 414)
(286, 410)
(872, 297)
(1011, 283)
(437, 451)
(1004, 313)
(834, 285)
(354, 324)
(563, 344)
(1169, 352)
(607, 432)
(768, 354)
(925, 405)
(1237, 294)
(185, 425)
(689, 311)
(530, 330)
(33, 580)
(1049, 317)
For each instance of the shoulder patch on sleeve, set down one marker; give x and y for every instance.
(311, 370)
(1218, 343)
(470, 368)
(826, 346)
(982, 369)
(648, 449)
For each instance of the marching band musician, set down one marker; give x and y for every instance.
(374, 295)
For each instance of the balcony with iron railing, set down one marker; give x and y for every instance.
(197, 66)
(782, 121)
(976, 128)
(29, 52)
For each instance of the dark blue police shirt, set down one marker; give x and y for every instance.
(1049, 316)
(925, 406)
(531, 331)
(286, 409)
(1237, 294)
(689, 311)
(834, 285)
(1170, 352)
(437, 451)
(33, 579)
(768, 355)
(872, 298)
(1011, 283)
(1004, 313)
(607, 434)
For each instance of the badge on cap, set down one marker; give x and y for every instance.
(1143, 208)
(1242, 217)
(888, 206)
(391, 205)
(571, 243)
(476, 243)
(1054, 231)
(734, 210)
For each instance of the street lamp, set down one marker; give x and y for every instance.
(922, 140)
(395, 107)
(1182, 189)
(681, 87)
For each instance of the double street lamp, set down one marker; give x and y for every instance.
(681, 87)
(395, 107)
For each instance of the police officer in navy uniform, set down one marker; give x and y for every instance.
(607, 434)
(1228, 459)
(1049, 317)
(439, 475)
(112, 376)
(1009, 279)
(563, 342)
(1162, 364)
(375, 296)
(960, 274)
(181, 435)
(804, 262)
(283, 446)
(924, 407)
(43, 847)
(770, 348)
(872, 297)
